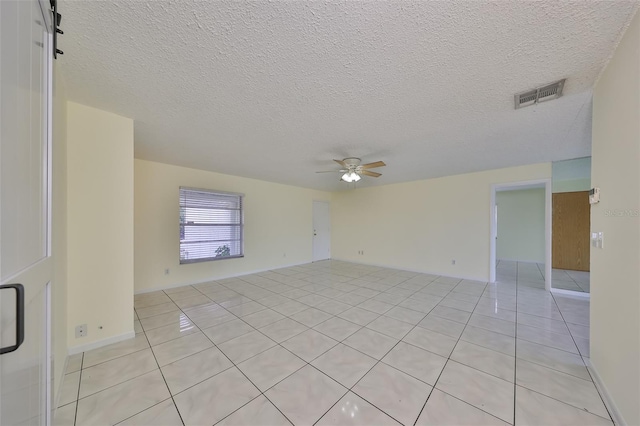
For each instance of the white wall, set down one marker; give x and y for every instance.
(571, 175)
(521, 231)
(615, 269)
(99, 224)
(423, 225)
(277, 232)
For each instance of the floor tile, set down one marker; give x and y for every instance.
(445, 410)
(493, 324)
(344, 364)
(458, 304)
(534, 409)
(311, 317)
(483, 359)
(260, 411)
(489, 339)
(394, 392)
(246, 346)
(479, 389)
(150, 299)
(123, 400)
(175, 317)
(303, 404)
(358, 316)
(337, 328)
(246, 308)
(193, 369)
(74, 363)
(229, 330)
(262, 318)
(555, 359)
(542, 322)
(215, 398)
(569, 389)
(156, 310)
(547, 338)
(442, 325)
(431, 341)
(193, 301)
(171, 331)
(282, 330)
(309, 344)
(97, 378)
(371, 342)
(352, 410)
(416, 362)
(290, 308)
(376, 306)
(69, 388)
(391, 327)
(451, 314)
(65, 415)
(333, 307)
(176, 349)
(115, 350)
(269, 367)
(407, 315)
(163, 414)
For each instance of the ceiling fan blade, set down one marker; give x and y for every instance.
(333, 171)
(373, 165)
(342, 163)
(372, 174)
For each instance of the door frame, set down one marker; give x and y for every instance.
(496, 187)
(313, 203)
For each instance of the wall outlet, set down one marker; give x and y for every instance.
(81, 330)
(167, 271)
(453, 261)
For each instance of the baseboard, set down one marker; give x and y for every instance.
(521, 261)
(381, 265)
(564, 292)
(606, 396)
(224, 277)
(100, 343)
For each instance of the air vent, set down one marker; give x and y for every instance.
(540, 94)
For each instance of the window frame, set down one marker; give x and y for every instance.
(181, 225)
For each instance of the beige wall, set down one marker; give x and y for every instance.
(99, 224)
(615, 269)
(59, 231)
(423, 225)
(521, 234)
(277, 232)
(571, 175)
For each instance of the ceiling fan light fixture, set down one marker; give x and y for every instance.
(351, 177)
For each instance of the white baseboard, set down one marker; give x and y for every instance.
(580, 294)
(100, 343)
(224, 277)
(521, 261)
(402, 268)
(606, 396)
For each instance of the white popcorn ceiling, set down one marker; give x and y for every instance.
(275, 90)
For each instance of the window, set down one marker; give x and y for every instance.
(210, 225)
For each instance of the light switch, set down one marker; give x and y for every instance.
(600, 240)
(594, 239)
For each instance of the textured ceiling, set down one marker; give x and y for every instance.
(275, 90)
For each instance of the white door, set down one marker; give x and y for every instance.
(321, 231)
(25, 82)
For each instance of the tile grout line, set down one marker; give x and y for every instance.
(75, 417)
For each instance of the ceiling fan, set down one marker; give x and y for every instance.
(352, 169)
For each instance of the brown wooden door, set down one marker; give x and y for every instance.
(571, 229)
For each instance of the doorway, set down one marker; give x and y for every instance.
(321, 231)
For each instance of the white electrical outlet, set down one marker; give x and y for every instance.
(81, 330)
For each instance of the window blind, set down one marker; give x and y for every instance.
(210, 225)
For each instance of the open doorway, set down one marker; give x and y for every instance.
(520, 242)
(321, 231)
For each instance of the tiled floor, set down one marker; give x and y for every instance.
(561, 278)
(334, 343)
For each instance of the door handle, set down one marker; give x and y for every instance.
(19, 288)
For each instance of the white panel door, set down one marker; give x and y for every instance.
(25, 262)
(321, 231)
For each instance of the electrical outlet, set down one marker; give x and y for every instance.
(81, 330)
(453, 261)
(167, 271)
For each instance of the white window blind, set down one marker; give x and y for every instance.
(210, 225)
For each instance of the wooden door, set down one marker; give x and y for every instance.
(571, 228)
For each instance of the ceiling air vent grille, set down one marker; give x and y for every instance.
(540, 94)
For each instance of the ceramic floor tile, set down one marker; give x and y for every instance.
(74, 363)
(555, 359)
(65, 415)
(371, 342)
(483, 359)
(534, 409)
(246, 346)
(137, 327)
(193, 301)
(246, 309)
(431, 341)
(458, 304)
(311, 317)
(578, 330)
(115, 350)
(193, 369)
(352, 410)
(442, 325)
(493, 324)
(309, 344)
(282, 330)
(176, 349)
(416, 362)
(333, 307)
(489, 339)
(445, 410)
(171, 331)
(97, 378)
(271, 366)
(227, 331)
(290, 308)
(451, 314)
(156, 310)
(547, 338)
(358, 316)
(157, 321)
(337, 328)
(163, 414)
(150, 299)
(495, 312)
(394, 392)
(542, 322)
(260, 411)
(303, 404)
(122, 401)
(376, 306)
(479, 389)
(407, 315)
(572, 390)
(69, 388)
(215, 398)
(262, 318)
(344, 364)
(391, 327)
